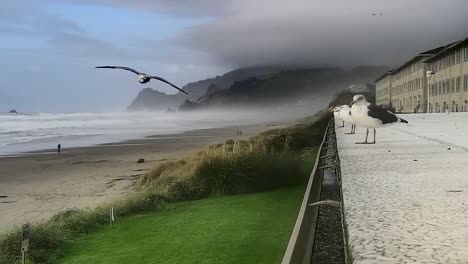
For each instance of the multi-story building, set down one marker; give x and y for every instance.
(383, 86)
(405, 88)
(409, 83)
(448, 85)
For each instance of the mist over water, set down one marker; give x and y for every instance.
(22, 133)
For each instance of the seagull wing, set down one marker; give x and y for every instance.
(119, 67)
(381, 113)
(166, 81)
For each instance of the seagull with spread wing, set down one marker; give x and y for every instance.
(142, 77)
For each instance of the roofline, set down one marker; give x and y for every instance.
(428, 53)
(398, 69)
(449, 49)
(383, 76)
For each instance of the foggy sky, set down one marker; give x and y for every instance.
(315, 32)
(48, 48)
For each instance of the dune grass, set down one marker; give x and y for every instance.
(249, 228)
(252, 228)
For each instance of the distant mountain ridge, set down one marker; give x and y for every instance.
(149, 99)
(288, 87)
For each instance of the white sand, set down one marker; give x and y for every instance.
(406, 198)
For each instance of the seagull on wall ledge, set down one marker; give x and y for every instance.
(142, 77)
(345, 115)
(336, 114)
(371, 116)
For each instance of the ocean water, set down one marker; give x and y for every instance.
(38, 131)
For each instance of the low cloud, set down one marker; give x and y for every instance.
(313, 32)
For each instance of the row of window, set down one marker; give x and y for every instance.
(383, 92)
(411, 104)
(448, 86)
(449, 60)
(416, 66)
(410, 86)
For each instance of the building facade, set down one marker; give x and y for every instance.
(408, 83)
(448, 86)
(383, 86)
(407, 88)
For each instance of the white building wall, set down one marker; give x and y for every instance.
(448, 87)
(409, 87)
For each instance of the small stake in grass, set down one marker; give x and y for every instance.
(111, 215)
(24, 242)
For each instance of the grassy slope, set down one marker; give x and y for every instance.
(251, 228)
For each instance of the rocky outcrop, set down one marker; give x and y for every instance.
(188, 105)
(149, 99)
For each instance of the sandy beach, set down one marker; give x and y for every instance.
(39, 184)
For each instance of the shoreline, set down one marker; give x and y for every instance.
(36, 185)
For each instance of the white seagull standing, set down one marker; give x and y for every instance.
(336, 114)
(142, 77)
(371, 116)
(345, 115)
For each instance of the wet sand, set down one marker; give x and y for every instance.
(39, 184)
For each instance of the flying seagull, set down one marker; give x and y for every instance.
(371, 116)
(345, 115)
(142, 77)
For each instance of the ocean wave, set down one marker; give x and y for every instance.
(43, 130)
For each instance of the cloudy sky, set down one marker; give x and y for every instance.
(48, 48)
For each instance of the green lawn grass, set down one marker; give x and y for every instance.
(252, 228)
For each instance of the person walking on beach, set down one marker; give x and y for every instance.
(59, 148)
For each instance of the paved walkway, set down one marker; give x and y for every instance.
(406, 198)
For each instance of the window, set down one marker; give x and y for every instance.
(465, 82)
(452, 85)
(457, 55)
(458, 84)
(440, 87)
(452, 58)
(466, 53)
(445, 83)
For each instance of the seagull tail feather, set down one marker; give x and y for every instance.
(403, 121)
